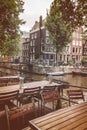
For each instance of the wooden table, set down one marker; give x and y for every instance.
(33, 84)
(71, 118)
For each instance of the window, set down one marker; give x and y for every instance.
(80, 43)
(80, 50)
(76, 50)
(47, 40)
(42, 48)
(64, 57)
(51, 56)
(73, 49)
(35, 35)
(74, 34)
(77, 57)
(73, 42)
(76, 43)
(60, 57)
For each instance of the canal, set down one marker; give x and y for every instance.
(79, 80)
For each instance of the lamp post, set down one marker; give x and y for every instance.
(21, 78)
(21, 82)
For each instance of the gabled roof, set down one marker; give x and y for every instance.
(37, 25)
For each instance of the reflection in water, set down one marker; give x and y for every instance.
(72, 79)
(75, 79)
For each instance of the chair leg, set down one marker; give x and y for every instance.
(40, 108)
(7, 116)
(43, 109)
(58, 106)
(53, 106)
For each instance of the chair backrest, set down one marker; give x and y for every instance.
(50, 99)
(49, 96)
(15, 113)
(75, 95)
(7, 96)
(47, 88)
(31, 91)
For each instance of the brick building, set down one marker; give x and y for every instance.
(40, 46)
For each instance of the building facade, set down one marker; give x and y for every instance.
(25, 52)
(25, 47)
(73, 52)
(41, 49)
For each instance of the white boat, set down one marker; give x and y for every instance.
(56, 73)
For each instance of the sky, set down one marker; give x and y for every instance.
(32, 11)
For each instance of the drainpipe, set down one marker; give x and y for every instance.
(40, 25)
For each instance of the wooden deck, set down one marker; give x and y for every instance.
(3, 122)
(61, 119)
(72, 118)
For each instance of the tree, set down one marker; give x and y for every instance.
(62, 20)
(59, 29)
(81, 13)
(9, 25)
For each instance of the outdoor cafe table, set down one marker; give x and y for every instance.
(71, 118)
(33, 84)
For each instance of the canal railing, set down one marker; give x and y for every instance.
(67, 86)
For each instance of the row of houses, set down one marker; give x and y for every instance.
(39, 48)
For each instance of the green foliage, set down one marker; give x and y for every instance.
(9, 25)
(70, 62)
(84, 59)
(64, 17)
(81, 13)
(59, 29)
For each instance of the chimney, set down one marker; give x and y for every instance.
(40, 21)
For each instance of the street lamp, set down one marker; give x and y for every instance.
(21, 79)
(21, 82)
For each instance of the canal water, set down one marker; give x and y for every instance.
(79, 80)
(75, 79)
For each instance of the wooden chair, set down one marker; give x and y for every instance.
(17, 117)
(28, 93)
(51, 98)
(7, 98)
(75, 96)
